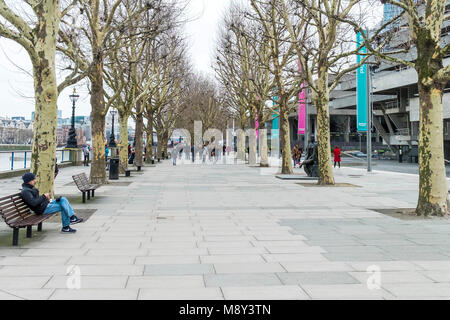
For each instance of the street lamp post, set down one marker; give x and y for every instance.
(369, 120)
(72, 141)
(112, 138)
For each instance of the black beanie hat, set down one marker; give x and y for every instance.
(27, 177)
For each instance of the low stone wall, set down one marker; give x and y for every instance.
(20, 172)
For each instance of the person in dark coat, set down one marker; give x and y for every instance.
(56, 168)
(132, 156)
(44, 205)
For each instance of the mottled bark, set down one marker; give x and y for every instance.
(139, 137)
(241, 145)
(149, 148)
(433, 194)
(149, 145)
(321, 99)
(98, 168)
(159, 147)
(326, 174)
(46, 95)
(264, 162)
(123, 156)
(164, 146)
(286, 159)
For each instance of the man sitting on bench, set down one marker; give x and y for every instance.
(43, 204)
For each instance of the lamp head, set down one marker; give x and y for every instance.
(74, 96)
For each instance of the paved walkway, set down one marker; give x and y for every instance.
(232, 232)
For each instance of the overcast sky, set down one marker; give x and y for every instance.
(16, 86)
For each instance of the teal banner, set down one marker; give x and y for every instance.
(275, 121)
(361, 88)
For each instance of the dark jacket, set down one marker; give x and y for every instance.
(30, 196)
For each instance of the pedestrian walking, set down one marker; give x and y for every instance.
(337, 156)
(174, 156)
(181, 151)
(193, 153)
(294, 155)
(132, 156)
(86, 152)
(106, 156)
(298, 155)
(106, 152)
(56, 168)
(204, 153)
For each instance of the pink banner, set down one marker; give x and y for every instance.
(256, 126)
(302, 105)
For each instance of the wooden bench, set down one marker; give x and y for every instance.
(84, 186)
(18, 215)
(126, 170)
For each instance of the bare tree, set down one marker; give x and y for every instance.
(282, 66)
(425, 20)
(241, 67)
(325, 52)
(99, 23)
(35, 28)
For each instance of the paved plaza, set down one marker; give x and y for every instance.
(232, 232)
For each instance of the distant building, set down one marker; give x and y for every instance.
(14, 131)
(390, 11)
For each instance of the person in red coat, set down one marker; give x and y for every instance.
(337, 156)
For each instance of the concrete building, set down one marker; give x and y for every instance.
(395, 102)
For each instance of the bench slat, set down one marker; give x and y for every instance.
(32, 220)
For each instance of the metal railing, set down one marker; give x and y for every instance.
(21, 159)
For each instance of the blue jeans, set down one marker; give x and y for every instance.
(63, 206)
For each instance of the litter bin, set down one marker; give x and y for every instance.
(114, 169)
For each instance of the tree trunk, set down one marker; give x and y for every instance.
(433, 194)
(46, 96)
(264, 162)
(263, 149)
(98, 167)
(241, 145)
(139, 137)
(286, 159)
(164, 146)
(321, 100)
(326, 174)
(123, 156)
(159, 146)
(149, 147)
(149, 131)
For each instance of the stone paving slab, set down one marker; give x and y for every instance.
(241, 280)
(230, 232)
(310, 278)
(89, 282)
(26, 294)
(178, 269)
(265, 293)
(185, 294)
(344, 291)
(95, 294)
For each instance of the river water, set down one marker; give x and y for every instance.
(19, 159)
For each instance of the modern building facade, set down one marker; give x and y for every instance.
(395, 102)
